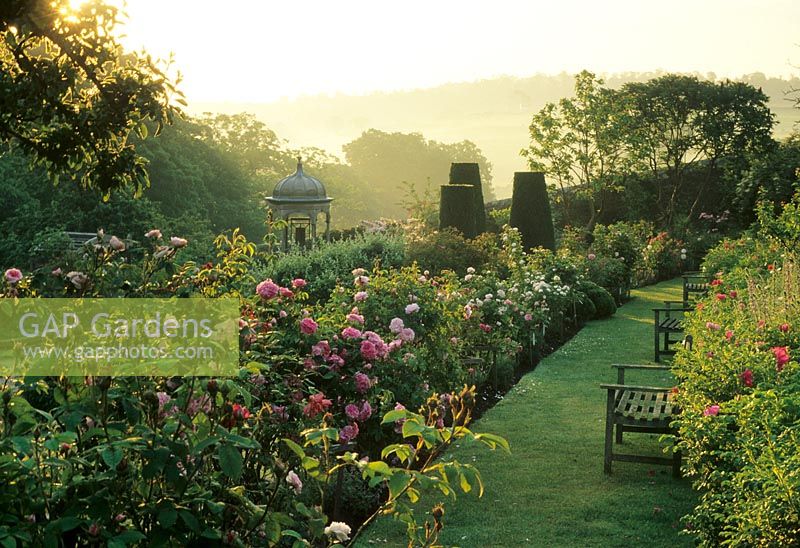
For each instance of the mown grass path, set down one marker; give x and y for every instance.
(551, 491)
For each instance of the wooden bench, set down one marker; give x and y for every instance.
(694, 283)
(78, 239)
(668, 320)
(643, 409)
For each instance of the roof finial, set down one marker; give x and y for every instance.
(299, 164)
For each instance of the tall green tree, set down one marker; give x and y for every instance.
(390, 162)
(682, 123)
(578, 142)
(70, 96)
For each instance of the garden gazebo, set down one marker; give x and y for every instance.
(299, 199)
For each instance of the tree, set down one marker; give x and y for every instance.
(389, 161)
(578, 142)
(680, 122)
(70, 96)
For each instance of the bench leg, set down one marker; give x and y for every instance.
(676, 462)
(609, 432)
(619, 433)
(656, 341)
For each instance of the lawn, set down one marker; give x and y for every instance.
(551, 491)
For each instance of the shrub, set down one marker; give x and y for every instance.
(603, 301)
(530, 211)
(446, 250)
(470, 174)
(329, 264)
(739, 420)
(457, 209)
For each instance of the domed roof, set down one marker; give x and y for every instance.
(299, 187)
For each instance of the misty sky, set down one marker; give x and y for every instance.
(256, 51)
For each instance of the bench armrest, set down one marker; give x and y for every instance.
(635, 387)
(670, 309)
(641, 366)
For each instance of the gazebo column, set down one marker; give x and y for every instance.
(327, 226)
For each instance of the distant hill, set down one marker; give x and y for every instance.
(494, 114)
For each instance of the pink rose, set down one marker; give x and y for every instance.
(153, 234)
(591, 256)
(411, 308)
(407, 334)
(317, 404)
(711, 411)
(781, 356)
(286, 292)
(308, 326)
(267, 289)
(360, 296)
(721, 296)
(298, 283)
(713, 326)
(351, 333)
(362, 281)
(322, 348)
(13, 275)
(369, 350)
(294, 481)
(784, 328)
(355, 317)
(528, 317)
(362, 382)
(747, 377)
(348, 433)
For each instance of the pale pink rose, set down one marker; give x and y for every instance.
(360, 296)
(267, 289)
(298, 283)
(407, 334)
(57, 272)
(355, 317)
(591, 256)
(411, 308)
(13, 275)
(308, 326)
(528, 317)
(359, 272)
(78, 279)
(362, 281)
(178, 242)
(154, 234)
(116, 244)
(351, 333)
(282, 314)
(396, 325)
(294, 480)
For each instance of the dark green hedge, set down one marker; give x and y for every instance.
(530, 211)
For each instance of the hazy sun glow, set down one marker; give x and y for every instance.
(249, 50)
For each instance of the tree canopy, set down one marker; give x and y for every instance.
(389, 161)
(70, 96)
(664, 127)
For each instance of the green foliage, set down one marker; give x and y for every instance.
(530, 211)
(739, 394)
(329, 264)
(772, 177)
(446, 250)
(579, 143)
(76, 95)
(603, 301)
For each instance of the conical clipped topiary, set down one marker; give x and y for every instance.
(530, 211)
(470, 174)
(456, 209)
